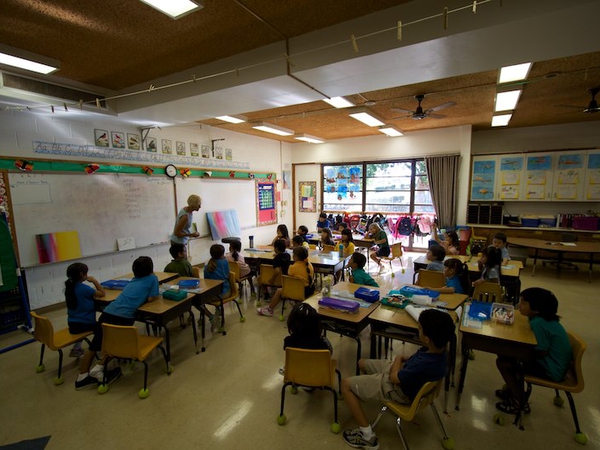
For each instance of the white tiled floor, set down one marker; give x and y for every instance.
(228, 397)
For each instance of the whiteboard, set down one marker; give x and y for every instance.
(101, 207)
(219, 195)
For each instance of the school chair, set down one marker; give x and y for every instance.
(328, 248)
(488, 291)
(431, 278)
(311, 369)
(235, 268)
(232, 297)
(425, 397)
(312, 246)
(44, 332)
(126, 343)
(265, 278)
(396, 253)
(573, 383)
(292, 289)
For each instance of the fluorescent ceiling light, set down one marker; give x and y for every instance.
(514, 73)
(338, 102)
(308, 138)
(507, 101)
(501, 120)
(233, 119)
(368, 118)
(28, 64)
(270, 128)
(175, 8)
(391, 131)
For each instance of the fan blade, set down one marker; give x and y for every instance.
(402, 117)
(571, 106)
(436, 116)
(410, 111)
(442, 106)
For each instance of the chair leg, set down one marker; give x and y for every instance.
(42, 354)
(239, 310)
(439, 420)
(379, 416)
(399, 428)
(167, 361)
(573, 412)
(145, 375)
(283, 397)
(339, 375)
(60, 361)
(335, 403)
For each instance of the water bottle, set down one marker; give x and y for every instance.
(251, 238)
(341, 250)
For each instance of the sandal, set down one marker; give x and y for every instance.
(502, 394)
(512, 407)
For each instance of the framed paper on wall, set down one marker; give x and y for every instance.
(133, 141)
(194, 149)
(101, 138)
(266, 205)
(205, 151)
(118, 139)
(180, 148)
(151, 144)
(308, 196)
(167, 146)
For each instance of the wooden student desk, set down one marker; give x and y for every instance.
(515, 341)
(157, 313)
(346, 324)
(560, 248)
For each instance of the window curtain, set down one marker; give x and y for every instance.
(443, 185)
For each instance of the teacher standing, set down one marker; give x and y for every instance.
(183, 225)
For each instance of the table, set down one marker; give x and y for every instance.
(515, 341)
(560, 248)
(158, 314)
(163, 277)
(346, 324)
(206, 291)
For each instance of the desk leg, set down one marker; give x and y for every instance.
(168, 343)
(203, 329)
(591, 265)
(463, 374)
(534, 262)
(373, 351)
(194, 331)
(358, 353)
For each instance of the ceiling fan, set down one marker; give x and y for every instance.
(592, 107)
(419, 113)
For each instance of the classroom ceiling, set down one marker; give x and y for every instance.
(114, 46)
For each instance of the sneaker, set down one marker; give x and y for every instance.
(87, 381)
(112, 375)
(354, 438)
(266, 311)
(215, 321)
(512, 407)
(97, 372)
(502, 394)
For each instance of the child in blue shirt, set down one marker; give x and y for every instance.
(499, 241)
(82, 313)
(141, 289)
(218, 269)
(489, 265)
(322, 222)
(359, 276)
(435, 256)
(457, 278)
(553, 351)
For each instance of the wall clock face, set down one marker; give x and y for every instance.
(171, 171)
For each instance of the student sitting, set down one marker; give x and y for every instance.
(304, 326)
(235, 255)
(348, 243)
(302, 232)
(499, 241)
(553, 351)
(489, 265)
(300, 269)
(435, 256)
(217, 269)
(457, 278)
(380, 239)
(281, 263)
(326, 237)
(141, 289)
(359, 276)
(297, 241)
(322, 222)
(282, 233)
(399, 381)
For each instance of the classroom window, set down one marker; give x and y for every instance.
(386, 187)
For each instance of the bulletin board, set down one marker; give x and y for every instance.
(308, 196)
(266, 205)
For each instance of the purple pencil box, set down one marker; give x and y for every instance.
(338, 304)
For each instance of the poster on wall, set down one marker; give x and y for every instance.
(483, 180)
(308, 196)
(266, 206)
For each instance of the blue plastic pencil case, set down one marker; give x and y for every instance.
(115, 284)
(189, 284)
(409, 291)
(339, 304)
(480, 310)
(366, 294)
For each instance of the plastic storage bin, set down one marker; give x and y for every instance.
(530, 221)
(503, 313)
(548, 221)
(585, 223)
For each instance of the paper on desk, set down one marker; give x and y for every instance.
(569, 244)
(468, 322)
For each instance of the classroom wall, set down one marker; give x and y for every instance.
(19, 130)
(443, 141)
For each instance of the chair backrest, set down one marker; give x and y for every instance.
(292, 288)
(235, 291)
(397, 250)
(309, 367)
(120, 341)
(312, 246)
(235, 268)
(488, 291)
(266, 273)
(431, 278)
(328, 248)
(43, 330)
(578, 346)
(426, 395)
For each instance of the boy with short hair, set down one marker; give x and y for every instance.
(399, 381)
(499, 241)
(435, 256)
(302, 232)
(180, 263)
(359, 276)
(322, 222)
(297, 241)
